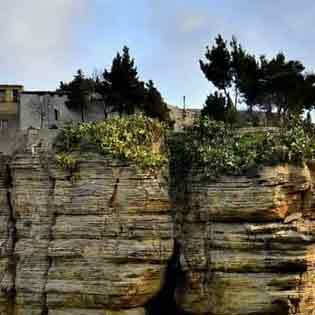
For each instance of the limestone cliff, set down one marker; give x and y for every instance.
(94, 242)
(247, 243)
(108, 239)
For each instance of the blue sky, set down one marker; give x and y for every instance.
(43, 42)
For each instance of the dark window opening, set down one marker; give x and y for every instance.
(56, 114)
(15, 95)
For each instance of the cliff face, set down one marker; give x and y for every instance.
(99, 241)
(247, 243)
(94, 242)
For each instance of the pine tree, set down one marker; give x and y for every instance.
(121, 86)
(218, 66)
(78, 92)
(155, 106)
(215, 107)
(271, 85)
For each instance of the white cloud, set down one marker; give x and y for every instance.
(37, 36)
(192, 22)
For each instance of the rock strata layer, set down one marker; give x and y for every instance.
(247, 243)
(108, 239)
(92, 242)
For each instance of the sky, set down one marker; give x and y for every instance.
(44, 42)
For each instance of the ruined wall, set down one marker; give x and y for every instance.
(37, 110)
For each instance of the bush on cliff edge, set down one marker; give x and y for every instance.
(221, 150)
(137, 138)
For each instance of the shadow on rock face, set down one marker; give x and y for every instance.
(164, 303)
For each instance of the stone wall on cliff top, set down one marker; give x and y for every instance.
(100, 241)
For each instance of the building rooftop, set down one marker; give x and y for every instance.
(40, 92)
(15, 86)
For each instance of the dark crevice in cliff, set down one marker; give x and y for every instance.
(53, 214)
(12, 238)
(165, 303)
(112, 199)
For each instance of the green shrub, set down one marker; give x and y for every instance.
(66, 160)
(219, 149)
(136, 138)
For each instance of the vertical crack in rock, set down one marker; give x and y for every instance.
(53, 216)
(64, 258)
(12, 238)
(165, 303)
(112, 199)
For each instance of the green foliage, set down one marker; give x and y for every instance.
(78, 92)
(135, 138)
(67, 161)
(218, 107)
(272, 85)
(120, 87)
(217, 69)
(154, 106)
(215, 107)
(221, 150)
(123, 91)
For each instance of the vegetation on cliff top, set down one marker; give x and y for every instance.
(213, 146)
(137, 138)
(220, 150)
(277, 86)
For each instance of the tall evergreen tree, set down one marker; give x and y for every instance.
(78, 91)
(283, 84)
(154, 105)
(217, 68)
(121, 86)
(249, 83)
(308, 91)
(215, 107)
(238, 56)
(271, 85)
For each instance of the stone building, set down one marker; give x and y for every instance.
(9, 106)
(20, 109)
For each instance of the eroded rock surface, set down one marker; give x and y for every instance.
(93, 242)
(247, 243)
(100, 240)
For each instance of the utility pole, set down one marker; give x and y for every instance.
(184, 107)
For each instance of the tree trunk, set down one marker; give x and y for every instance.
(227, 95)
(82, 112)
(236, 98)
(104, 109)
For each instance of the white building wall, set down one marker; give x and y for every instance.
(37, 110)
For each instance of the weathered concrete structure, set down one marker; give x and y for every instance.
(20, 110)
(9, 106)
